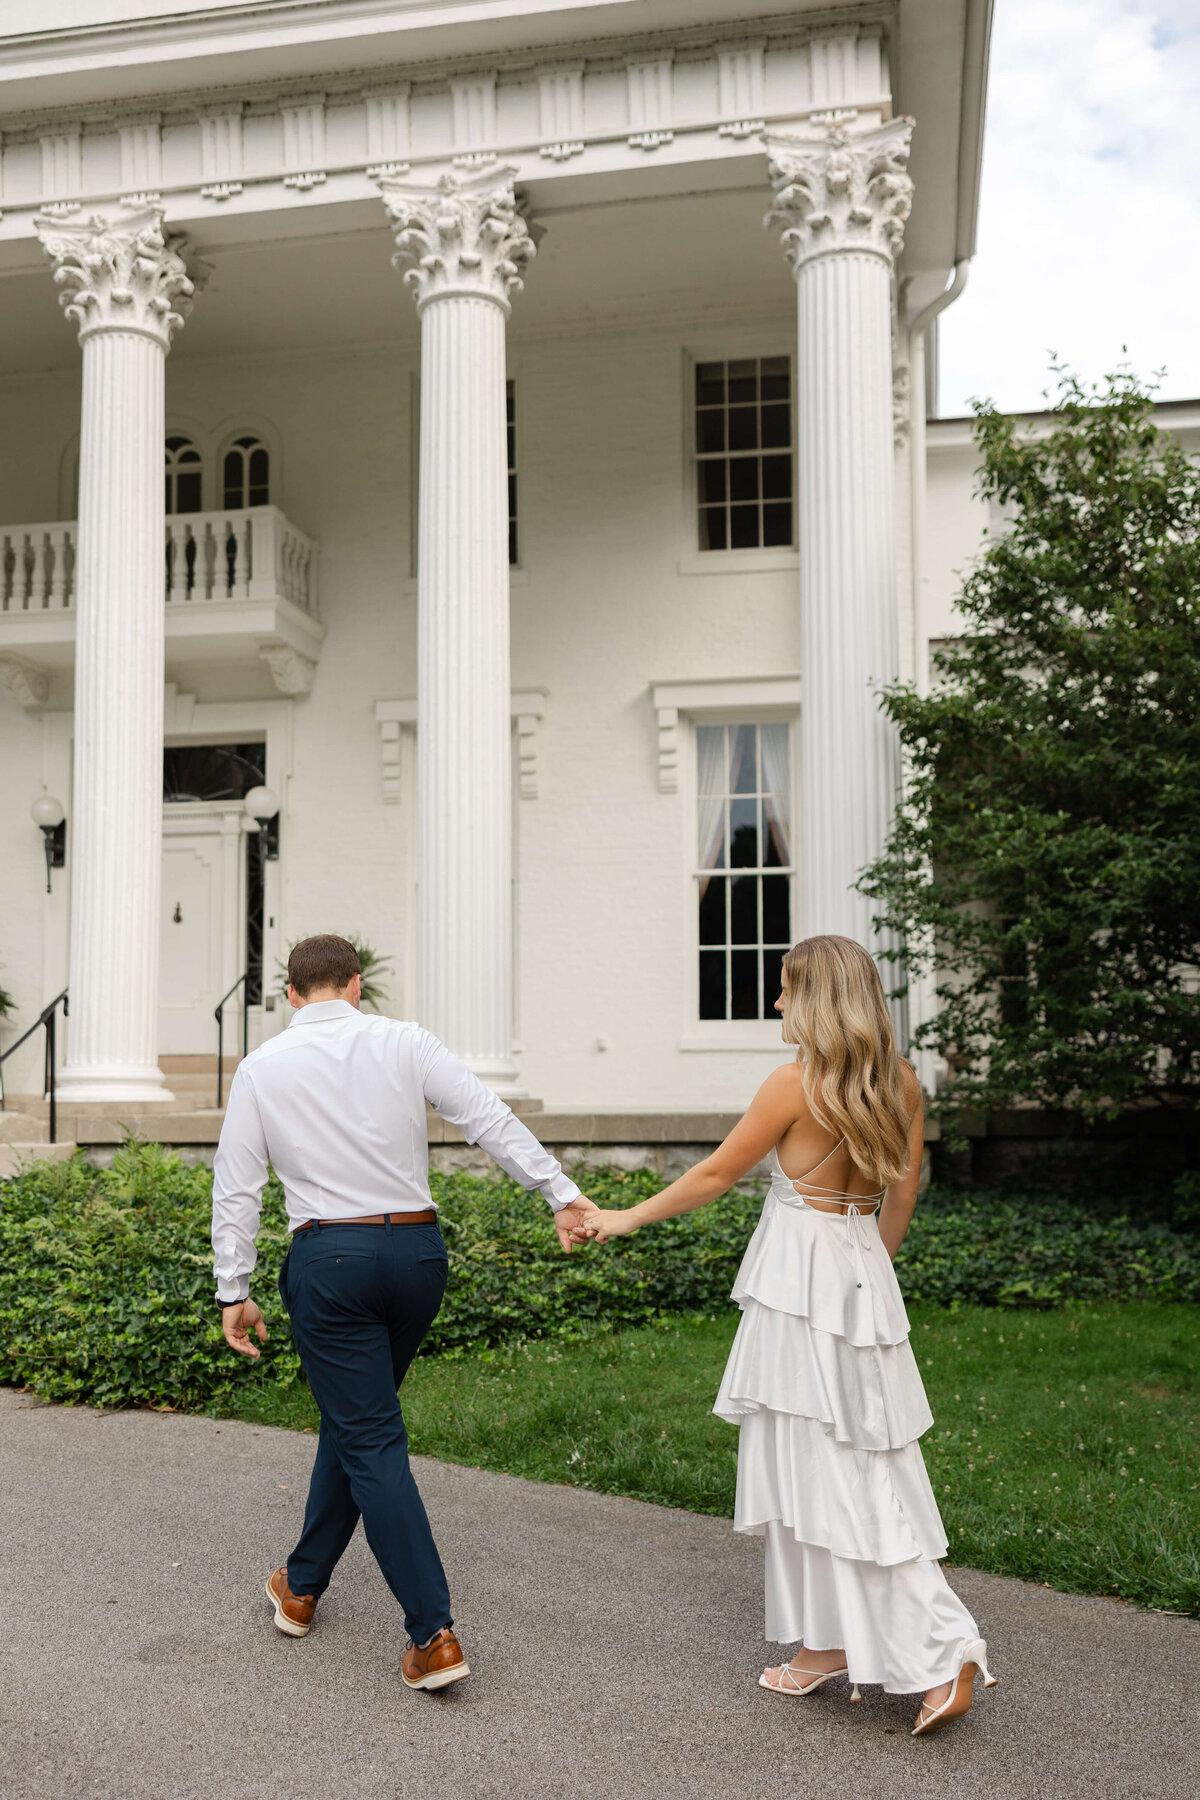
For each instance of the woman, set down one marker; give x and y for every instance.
(821, 1377)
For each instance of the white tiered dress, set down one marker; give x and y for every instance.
(822, 1382)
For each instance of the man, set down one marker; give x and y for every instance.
(337, 1104)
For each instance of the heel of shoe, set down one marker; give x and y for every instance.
(854, 1693)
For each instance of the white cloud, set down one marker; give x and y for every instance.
(1089, 224)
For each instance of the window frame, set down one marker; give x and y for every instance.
(748, 700)
(763, 556)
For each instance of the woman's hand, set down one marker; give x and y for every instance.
(601, 1225)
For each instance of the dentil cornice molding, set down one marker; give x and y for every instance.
(844, 190)
(464, 237)
(119, 274)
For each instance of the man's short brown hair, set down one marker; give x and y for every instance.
(322, 962)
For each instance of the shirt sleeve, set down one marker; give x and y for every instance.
(482, 1117)
(239, 1172)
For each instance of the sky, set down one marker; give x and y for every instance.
(1089, 218)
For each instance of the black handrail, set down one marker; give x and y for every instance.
(47, 1019)
(219, 1016)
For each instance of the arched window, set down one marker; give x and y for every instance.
(246, 474)
(183, 476)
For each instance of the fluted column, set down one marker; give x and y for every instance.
(842, 199)
(128, 291)
(462, 246)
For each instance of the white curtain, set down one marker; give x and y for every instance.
(713, 772)
(777, 782)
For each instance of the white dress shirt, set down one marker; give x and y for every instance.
(336, 1103)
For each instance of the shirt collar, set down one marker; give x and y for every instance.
(317, 1012)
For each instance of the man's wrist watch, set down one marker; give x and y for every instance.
(224, 1303)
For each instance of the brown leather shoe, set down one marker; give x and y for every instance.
(437, 1665)
(293, 1612)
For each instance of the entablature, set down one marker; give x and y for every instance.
(580, 121)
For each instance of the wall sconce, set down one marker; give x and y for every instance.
(50, 815)
(262, 809)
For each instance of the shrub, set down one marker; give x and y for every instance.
(106, 1289)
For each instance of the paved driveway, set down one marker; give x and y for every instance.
(616, 1647)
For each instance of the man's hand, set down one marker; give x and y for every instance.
(572, 1220)
(237, 1321)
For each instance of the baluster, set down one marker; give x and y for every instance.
(214, 563)
(26, 574)
(37, 571)
(68, 568)
(56, 592)
(240, 558)
(176, 561)
(7, 571)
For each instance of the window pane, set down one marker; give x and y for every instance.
(712, 984)
(710, 753)
(189, 455)
(710, 431)
(776, 427)
(772, 980)
(743, 910)
(744, 984)
(743, 760)
(776, 477)
(776, 911)
(777, 523)
(712, 483)
(712, 528)
(743, 528)
(259, 468)
(712, 910)
(743, 381)
(776, 378)
(743, 427)
(187, 491)
(743, 478)
(710, 384)
(743, 834)
(775, 833)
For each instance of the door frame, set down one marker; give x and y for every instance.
(186, 720)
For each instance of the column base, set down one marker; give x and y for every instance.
(499, 1074)
(130, 1084)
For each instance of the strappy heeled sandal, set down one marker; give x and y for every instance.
(787, 1683)
(958, 1700)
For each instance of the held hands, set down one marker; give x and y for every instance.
(599, 1226)
(237, 1321)
(583, 1223)
(572, 1223)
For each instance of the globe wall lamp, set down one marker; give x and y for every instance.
(262, 814)
(51, 816)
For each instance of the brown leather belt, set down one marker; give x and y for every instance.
(406, 1218)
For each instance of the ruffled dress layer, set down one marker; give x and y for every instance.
(823, 1385)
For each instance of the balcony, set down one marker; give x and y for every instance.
(238, 586)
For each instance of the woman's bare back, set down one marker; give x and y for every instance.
(808, 1148)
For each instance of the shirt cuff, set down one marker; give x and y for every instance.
(225, 1298)
(561, 1191)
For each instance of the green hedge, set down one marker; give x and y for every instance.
(106, 1285)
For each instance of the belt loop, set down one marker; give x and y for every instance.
(387, 1221)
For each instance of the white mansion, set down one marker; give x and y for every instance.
(536, 527)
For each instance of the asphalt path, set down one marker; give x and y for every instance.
(615, 1649)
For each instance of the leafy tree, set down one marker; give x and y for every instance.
(1045, 862)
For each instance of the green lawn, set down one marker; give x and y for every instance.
(1064, 1448)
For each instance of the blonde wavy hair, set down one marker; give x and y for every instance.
(835, 1011)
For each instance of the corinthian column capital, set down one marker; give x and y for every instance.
(841, 191)
(464, 237)
(119, 274)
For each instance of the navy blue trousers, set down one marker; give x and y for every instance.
(361, 1298)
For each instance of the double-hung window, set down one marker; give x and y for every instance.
(744, 453)
(743, 866)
